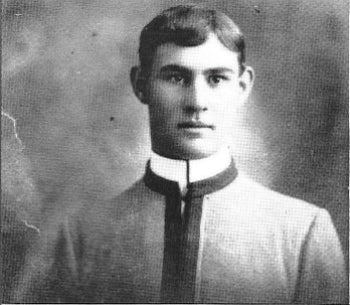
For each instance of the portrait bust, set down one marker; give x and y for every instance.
(194, 228)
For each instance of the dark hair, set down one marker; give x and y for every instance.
(189, 25)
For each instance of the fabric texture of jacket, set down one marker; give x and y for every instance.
(249, 244)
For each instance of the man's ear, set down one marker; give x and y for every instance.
(138, 83)
(246, 82)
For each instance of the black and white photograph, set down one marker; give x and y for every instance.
(173, 151)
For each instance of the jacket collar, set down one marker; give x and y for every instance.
(188, 171)
(161, 178)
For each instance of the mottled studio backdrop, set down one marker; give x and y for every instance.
(72, 131)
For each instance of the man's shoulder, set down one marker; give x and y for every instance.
(98, 222)
(247, 210)
(125, 199)
(135, 199)
(134, 192)
(264, 194)
(257, 199)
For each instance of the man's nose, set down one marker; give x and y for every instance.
(197, 97)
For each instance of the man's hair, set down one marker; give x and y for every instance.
(189, 25)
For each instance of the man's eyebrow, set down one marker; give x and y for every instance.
(182, 69)
(174, 68)
(219, 70)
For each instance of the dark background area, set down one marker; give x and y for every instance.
(73, 133)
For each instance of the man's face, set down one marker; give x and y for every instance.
(193, 94)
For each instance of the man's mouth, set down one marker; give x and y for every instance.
(186, 125)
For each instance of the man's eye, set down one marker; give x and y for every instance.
(216, 79)
(176, 79)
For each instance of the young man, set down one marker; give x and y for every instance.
(193, 229)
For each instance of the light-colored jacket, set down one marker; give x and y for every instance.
(256, 246)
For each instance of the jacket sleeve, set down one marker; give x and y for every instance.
(322, 277)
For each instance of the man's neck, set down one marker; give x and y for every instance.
(188, 171)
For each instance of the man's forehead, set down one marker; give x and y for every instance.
(209, 55)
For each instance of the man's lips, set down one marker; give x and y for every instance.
(195, 125)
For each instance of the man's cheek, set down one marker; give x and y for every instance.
(160, 120)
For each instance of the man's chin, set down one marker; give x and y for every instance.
(186, 149)
(193, 151)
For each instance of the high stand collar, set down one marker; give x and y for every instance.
(196, 177)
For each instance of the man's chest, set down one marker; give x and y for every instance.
(239, 257)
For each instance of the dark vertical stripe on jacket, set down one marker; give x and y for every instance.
(181, 245)
(172, 243)
(190, 247)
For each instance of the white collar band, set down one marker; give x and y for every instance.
(188, 171)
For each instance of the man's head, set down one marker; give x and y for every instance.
(192, 76)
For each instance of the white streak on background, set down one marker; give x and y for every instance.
(31, 226)
(14, 122)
